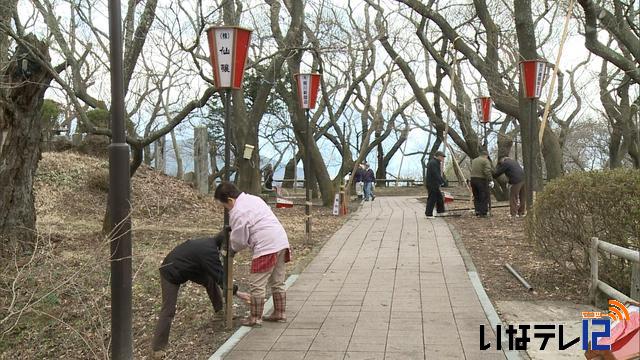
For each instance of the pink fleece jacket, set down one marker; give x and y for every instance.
(255, 226)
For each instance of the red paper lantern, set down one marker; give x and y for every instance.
(533, 75)
(484, 106)
(308, 85)
(228, 49)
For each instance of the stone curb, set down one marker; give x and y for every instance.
(244, 330)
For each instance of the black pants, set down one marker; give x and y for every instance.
(436, 199)
(168, 309)
(481, 195)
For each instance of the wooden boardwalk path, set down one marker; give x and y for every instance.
(390, 284)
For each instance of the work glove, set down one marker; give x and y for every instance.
(491, 184)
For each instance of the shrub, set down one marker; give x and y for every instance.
(98, 180)
(580, 205)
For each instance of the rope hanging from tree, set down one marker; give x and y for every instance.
(556, 68)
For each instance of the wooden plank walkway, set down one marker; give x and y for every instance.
(390, 284)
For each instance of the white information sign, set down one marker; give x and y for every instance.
(224, 48)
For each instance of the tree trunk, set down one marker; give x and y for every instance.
(528, 113)
(21, 97)
(176, 150)
(289, 173)
(500, 191)
(552, 153)
(245, 132)
(148, 156)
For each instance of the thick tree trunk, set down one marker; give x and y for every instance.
(245, 132)
(21, 97)
(148, 156)
(552, 153)
(500, 191)
(289, 173)
(529, 123)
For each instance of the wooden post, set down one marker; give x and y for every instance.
(76, 139)
(159, 154)
(200, 163)
(593, 259)
(635, 281)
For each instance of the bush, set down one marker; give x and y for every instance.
(578, 206)
(98, 180)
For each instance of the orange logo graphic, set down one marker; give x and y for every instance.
(617, 312)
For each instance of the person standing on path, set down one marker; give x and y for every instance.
(196, 260)
(515, 174)
(369, 178)
(255, 226)
(433, 182)
(481, 176)
(267, 173)
(359, 181)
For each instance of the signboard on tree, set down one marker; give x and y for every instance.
(533, 75)
(308, 85)
(483, 108)
(228, 49)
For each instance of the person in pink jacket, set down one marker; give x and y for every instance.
(255, 226)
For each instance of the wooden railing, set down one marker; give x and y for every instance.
(407, 182)
(596, 284)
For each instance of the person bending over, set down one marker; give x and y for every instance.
(196, 260)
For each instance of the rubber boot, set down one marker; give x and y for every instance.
(279, 305)
(255, 317)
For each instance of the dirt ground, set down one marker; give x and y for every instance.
(497, 240)
(55, 302)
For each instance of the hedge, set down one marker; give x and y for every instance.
(580, 205)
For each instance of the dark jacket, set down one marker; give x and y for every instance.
(511, 169)
(359, 176)
(369, 176)
(192, 260)
(434, 174)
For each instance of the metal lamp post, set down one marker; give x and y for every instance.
(228, 49)
(484, 105)
(308, 85)
(119, 195)
(533, 74)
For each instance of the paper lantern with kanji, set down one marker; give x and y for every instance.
(533, 75)
(308, 85)
(483, 108)
(228, 49)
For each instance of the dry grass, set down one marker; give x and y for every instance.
(62, 301)
(492, 242)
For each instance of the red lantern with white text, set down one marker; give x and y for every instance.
(228, 49)
(533, 75)
(484, 106)
(308, 85)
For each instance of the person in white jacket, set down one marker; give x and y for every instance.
(255, 226)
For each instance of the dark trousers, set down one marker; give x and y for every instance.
(434, 199)
(517, 198)
(481, 195)
(168, 309)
